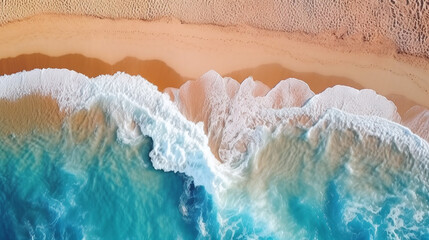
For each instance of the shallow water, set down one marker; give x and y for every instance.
(148, 173)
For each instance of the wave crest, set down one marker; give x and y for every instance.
(292, 164)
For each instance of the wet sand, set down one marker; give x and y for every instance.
(164, 76)
(161, 74)
(167, 53)
(155, 71)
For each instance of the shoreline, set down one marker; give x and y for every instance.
(166, 77)
(168, 53)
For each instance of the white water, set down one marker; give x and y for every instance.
(272, 146)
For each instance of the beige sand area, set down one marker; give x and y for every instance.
(178, 52)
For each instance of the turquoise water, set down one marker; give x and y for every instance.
(52, 187)
(55, 187)
(148, 173)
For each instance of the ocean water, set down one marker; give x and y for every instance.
(54, 188)
(282, 166)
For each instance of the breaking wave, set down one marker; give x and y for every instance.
(238, 161)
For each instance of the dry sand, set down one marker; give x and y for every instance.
(168, 52)
(401, 23)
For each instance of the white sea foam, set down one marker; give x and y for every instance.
(178, 144)
(417, 119)
(279, 143)
(364, 102)
(271, 145)
(232, 113)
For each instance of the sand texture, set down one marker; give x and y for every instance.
(168, 52)
(403, 23)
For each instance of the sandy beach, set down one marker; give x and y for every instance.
(168, 53)
(214, 119)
